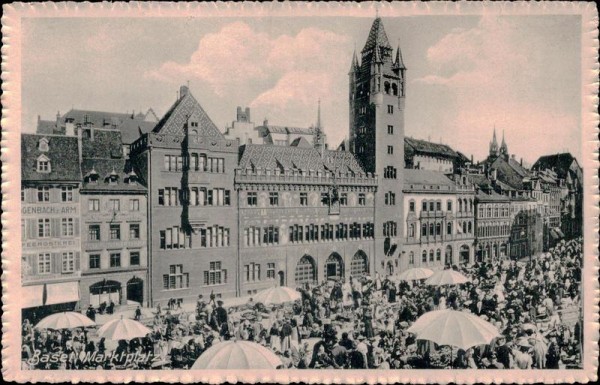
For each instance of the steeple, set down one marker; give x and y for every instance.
(399, 62)
(319, 115)
(377, 37)
(503, 146)
(494, 144)
(355, 66)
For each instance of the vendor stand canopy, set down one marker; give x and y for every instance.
(277, 295)
(446, 277)
(237, 355)
(65, 320)
(123, 329)
(414, 274)
(455, 328)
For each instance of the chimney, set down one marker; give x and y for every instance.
(79, 130)
(266, 122)
(239, 114)
(248, 115)
(521, 162)
(183, 91)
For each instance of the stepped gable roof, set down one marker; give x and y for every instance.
(104, 155)
(342, 161)
(377, 36)
(560, 162)
(132, 129)
(412, 146)
(95, 118)
(184, 109)
(45, 127)
(289, 130)
(426, 177)
(62, 153)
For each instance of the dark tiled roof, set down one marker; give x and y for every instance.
(186, 107)
(412, 146)
(63, 155)
(426, 177)
(302, 158)
(46, 127)
(300, 142)
(104, 155)
(560, 162)
(377, 36)
(507, 173)
(288, 130)
(96, 118)
(132, 129)
(491, 197)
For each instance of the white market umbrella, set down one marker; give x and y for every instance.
(415, 274)
(446, 277)
(277, 295)
(237, 355)
(454, 328)
(123, 329)
(65, 320)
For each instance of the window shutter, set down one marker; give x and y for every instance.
(77, 261)
(225, 275)
(56, 263)
(31, 229)
(32, 260)
(76, 229)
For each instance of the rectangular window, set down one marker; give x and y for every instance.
(94, 261)
(390, 150)
(115, 259)
(67, 194)
(344, 199)
(438, 206)
(94, 232)
(303, 199)
(43, 194)
(270, 271)
(391, 130)
(424, 206)
(411, 207)
(68, 262)
(227, 199)
(449, 206)
(94, 205)
(252, 198)
(115, 231)
(390, 109)
(431, 206)
(44, 228)
(215, 275)
(114, 205)
(134, 205)
(134, 258)
(361, 199)
(274, 198)
(134, 231)
(44, 263)
(67, 227)
(22, 194)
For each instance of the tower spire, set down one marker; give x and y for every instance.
(319, 114)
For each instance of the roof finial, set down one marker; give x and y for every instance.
(377, 11)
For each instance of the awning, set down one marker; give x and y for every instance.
(32, 296)
(62, 292)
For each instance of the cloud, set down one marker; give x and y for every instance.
(490, 75)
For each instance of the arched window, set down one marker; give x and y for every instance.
(430, 255)
(359, 264)
(438, 229)
(464, 227)
(395, 89)
(411, 230)
(431, 233)
(438, 255)
(449, 228)
(424, 230)
(460, 209)
(411, 258)
(386, 87)
(469, 227)
(424, 256)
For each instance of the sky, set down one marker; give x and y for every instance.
(466, 74)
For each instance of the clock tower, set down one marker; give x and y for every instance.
(376, 98)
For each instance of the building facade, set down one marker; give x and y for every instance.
(424, 155)
(50, 224)
(377, 102)
(439, 221)
(113, 206)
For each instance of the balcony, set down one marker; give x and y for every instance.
(246, 176)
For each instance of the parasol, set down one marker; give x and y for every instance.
(65, 320)
(237, 355)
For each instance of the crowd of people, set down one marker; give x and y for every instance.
(362, 323)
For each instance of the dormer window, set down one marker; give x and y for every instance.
(194, 124)
(112, 178)
(43, 164)
(43, 145)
